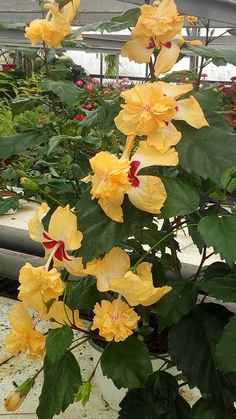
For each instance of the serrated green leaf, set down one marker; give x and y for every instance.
(182, 197)
(210, 409)
(21, 105)
(220, 233)
(192, 346)
(207, 152)
(101, 233)
(223, 288)
(66, 90)
(219, 56)
(176, 304)
(57, 343)
(119, 363)
(61, 382)
(7, 204)
(159, 399)
(82, 295)
(226, 348)
(19, 143)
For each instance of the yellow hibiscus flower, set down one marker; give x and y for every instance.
(150, 108)
(39, 286)
(24, 337)
(113, 274)
(115, 320)
(62, 235)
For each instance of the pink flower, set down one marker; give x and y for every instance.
(95, 81)
(226, 90)
(204, 76)
(88, 106)
(80, 117)
(90, 87)
(233, 78)
(79, 83)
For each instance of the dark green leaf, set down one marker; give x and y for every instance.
(23, 104)
(19, 143)
(61, 382)
(219, 56)
(101, 234)
(82, 294)
(220, 233)
(223, 288)
(9, 203)
(192, 346)
(104, 115)
(159, 399)
(57, 343)
(66, 90)
(13, 26)
(216, 270)
(226, 348)
(174, 305)
(210, 409)
(210, 103)
(207, 152)
(119, 363)
(182, 198)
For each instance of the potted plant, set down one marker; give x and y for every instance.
(115, 188)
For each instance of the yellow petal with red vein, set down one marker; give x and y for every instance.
(149, 196)
(63, 227)
(136, 51)
(190, 111)
(166, 58)
(149, 155)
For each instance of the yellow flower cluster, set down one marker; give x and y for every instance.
(53, 29)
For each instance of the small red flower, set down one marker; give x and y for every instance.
(80, 117)
(88, 106)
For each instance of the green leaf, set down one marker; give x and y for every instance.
(104, 115)
(219, 56)
(210, 409)
(207, 152)
(66, 90)
(82, 295)
(13, 26)
(210, 102)
(7, 204)
(117, 23)
(226, 348)
(192, 346)
(101, 233)
(220, 233)
(228, 179)
(223, 288)
(21, 105)
(176, 304)
(159, 399)
(119, 363)
(84, 392)
(19, 143)
(175, 76)
(216, 270)
(57, 343)
(182, 197)
(61, 382)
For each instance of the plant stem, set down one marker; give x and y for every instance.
(174, 252)
(202, 58)
(201, 264)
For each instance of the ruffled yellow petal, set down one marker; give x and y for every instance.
(63, 227)
(166, 58)
(115, 320)
(175, 90)
(42, 30)
(139, 289)
(136, 51)
(35, 225)
(149, 155)
(190, 111)
(164, 138)
(20, 319)
(60, 314)
(115, 263)
(149, 196)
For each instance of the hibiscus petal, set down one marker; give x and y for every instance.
(190, 111)
(166, 58)
(175, 90)
(63, 227)
(148, 155)
(74, 266)
(149, 196)
(35, 225)
(136, 51)
(164, 138)
(112, 206)
(20, 319)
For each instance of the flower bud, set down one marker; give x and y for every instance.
(83, 393)
(13, 401)
(28, 184)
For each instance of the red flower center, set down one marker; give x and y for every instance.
(134, 165)
(151, 44)
(167, 45)
(60, 253)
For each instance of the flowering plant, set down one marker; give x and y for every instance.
(156, 160)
